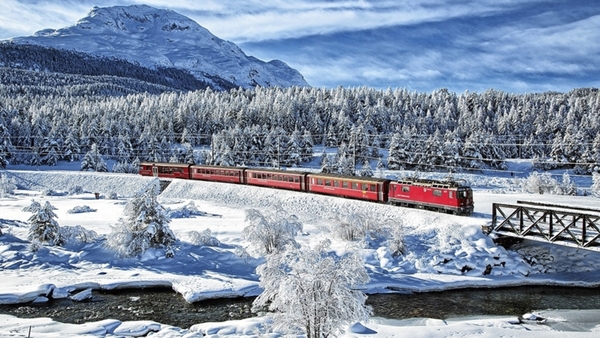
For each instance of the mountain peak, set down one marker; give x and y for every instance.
(159, 37)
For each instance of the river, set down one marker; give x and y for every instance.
(167, 307)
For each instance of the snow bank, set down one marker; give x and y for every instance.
(125, 185)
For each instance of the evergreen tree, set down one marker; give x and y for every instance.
(144, 225)
(396, 155)
(188, 152)
(366, 170)
(92, 161)
(43, 226)
(70, 151)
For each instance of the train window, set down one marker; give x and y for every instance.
(450, 194)
(405, 189)
(354, 185)
(280, 178)
(345, 184)
(372, 187)
(437, 192)
(328, 183)
(296, 179)
(463, 194)
(336, 183)
(319, 181)
(364, 187)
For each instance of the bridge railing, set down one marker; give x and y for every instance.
(565, 225)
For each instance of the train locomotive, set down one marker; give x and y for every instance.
(444, 196)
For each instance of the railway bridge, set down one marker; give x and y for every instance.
(565, 225)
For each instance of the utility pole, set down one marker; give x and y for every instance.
(354, 154)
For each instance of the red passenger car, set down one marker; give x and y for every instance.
(447, 196)
(165, 170)
(364, 188)
(217, 174)
(291, 180)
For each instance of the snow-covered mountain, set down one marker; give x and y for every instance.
(157, 37)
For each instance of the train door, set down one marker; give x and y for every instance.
(155, 171)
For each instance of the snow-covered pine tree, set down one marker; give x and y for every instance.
(43, 226)
(366, 170)
(5, 144)
(307, 146)
(312, 290)
(143, 225)
(92, 161)
(294, 149)
(188, 152)
(396, 158)
(71, 149)
(568, 186)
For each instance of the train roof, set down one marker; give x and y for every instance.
(275, 171)
(217, 167)
(349, 178)
(166, 164)
(432, 183)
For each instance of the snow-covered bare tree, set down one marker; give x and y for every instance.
(144, 225)
(7, 186)
(271, 231)
(43, 226)
(312, 291)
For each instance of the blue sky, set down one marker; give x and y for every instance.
(511, 45)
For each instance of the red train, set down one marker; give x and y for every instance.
(444, 196)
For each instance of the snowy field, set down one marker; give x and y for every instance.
(437, 248)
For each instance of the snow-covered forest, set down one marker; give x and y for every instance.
(440, 131)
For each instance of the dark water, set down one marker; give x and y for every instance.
(166, 307)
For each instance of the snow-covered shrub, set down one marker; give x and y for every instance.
(395, 241)
(241, 252)
(595, 184)
(77, 234)
(537, 183)
(271, 231)
(312, 291)
(144, 225)
(76, 190)
(43, 226)
(350, 225)
(203, 238)
(7, 186)
(34, 246)
(544, 183)
(79, 209)
(51, 192)
(113, 196)
(187, 211)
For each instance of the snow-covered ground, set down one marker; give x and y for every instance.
(437, 248)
